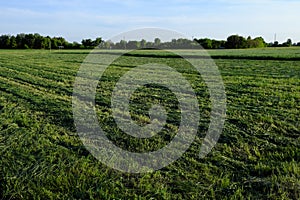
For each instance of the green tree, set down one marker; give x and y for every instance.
(13, 42)
(205, 43)
(97, 42)
(258, 42)
(218, 44)
(29, 41)
(157, 42)
(75, 45)
(143, 43)
(38, 41)
(133, 45)
(123, 44)
(87, 43)
(236, 42)
(20, 39)
(276, 44)
(5, 41)
(288, 43)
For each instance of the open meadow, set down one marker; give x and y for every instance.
(256, 157)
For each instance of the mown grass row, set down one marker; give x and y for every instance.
(257, 156)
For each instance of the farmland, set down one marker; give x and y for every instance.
(257, 155)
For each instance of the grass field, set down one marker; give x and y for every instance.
(257, 155)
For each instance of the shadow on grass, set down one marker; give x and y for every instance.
(170, 55)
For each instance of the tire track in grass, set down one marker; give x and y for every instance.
(40, 82)
(41, 73)
(35, 90)
(59, 107)
(53, 69)
(46, 66)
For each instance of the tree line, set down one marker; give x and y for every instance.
(36, 41)
(232, 42)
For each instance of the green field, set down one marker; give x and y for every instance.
(257, 155)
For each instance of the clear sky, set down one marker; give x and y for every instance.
(216, 19)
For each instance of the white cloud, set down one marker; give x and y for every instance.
(214, 18)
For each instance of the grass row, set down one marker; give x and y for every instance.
(257, 156)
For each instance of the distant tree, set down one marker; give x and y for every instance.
(250, 42)
(76, 45)
(107, 45)
(5, 41)
(13, 42)
(181, 43)
(236, 42)
(87, 43)
(149, 45)
(288, 43)
(258, 42)
(29, 41)
(195, 44)
(205, 43)
(276, 44)
(38, 41)
(118, 46)
(157, 42)
(143, 43)
(47, 42)
(123, 44)
(133, 45)
(218, 44)
(97, 42)
(62, 42)
(54, 44)
(32, 41)
(20, 39)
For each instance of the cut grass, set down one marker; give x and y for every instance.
(257, 156)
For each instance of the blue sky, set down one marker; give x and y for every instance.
(217, 19)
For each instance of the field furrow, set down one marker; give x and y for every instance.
(257, 155)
